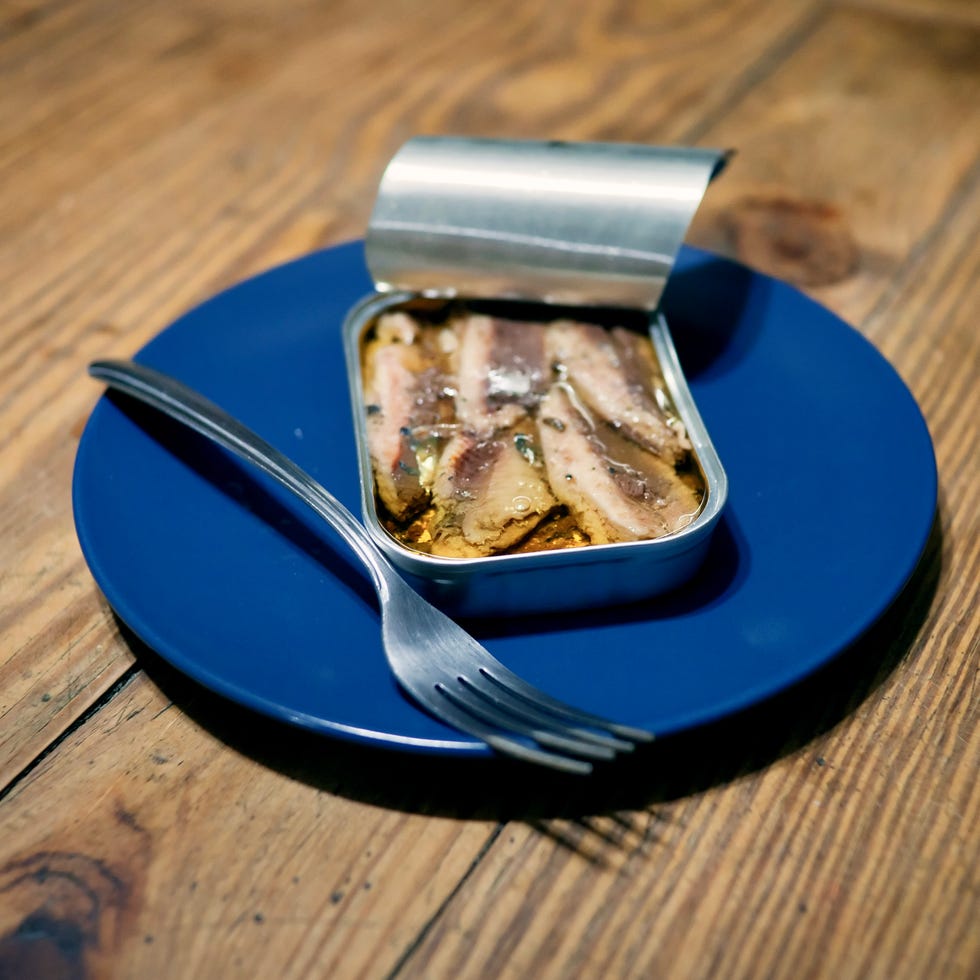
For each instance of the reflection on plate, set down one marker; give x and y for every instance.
(833, 491)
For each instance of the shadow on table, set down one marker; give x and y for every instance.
(492, 789)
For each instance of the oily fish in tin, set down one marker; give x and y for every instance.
(489, 435)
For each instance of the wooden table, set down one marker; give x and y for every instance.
(154, 152)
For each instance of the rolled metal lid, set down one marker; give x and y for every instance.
(594, 224)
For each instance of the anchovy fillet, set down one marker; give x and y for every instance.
(405, 401)
(500, 372)
(487, 495)
(601, 371)
(611, 500)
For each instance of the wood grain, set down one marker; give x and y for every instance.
(859, 851)
(184, 858)
(848, 162)
(192, 188)
(152, 153)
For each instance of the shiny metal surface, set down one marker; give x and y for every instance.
(434, 660)
(546, 581)
(577, 223)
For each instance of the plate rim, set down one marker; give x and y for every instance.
(796, 672)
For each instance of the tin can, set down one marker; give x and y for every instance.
(582, 231)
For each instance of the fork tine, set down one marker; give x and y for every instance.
(508, 681)
(410, 625)
(527, 753)
(468, 699)
(499, 740)
(516, 707)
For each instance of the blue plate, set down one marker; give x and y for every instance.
(833, 493)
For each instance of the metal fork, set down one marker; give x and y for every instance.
(434, 659)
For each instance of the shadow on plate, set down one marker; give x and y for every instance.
(495, 789)
(715, 310)
(724, 569)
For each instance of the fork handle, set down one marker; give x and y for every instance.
(176, 400)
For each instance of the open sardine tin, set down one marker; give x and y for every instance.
(533, 233)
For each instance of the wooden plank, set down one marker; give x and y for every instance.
(856, 855)
(956, 11)
(851, 154)
(836, 838)
(195, 182)
(113, 84)
(85, 293)
(146, 846)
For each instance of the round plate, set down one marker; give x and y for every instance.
(833, 493)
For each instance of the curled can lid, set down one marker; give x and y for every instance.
(593, 224)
